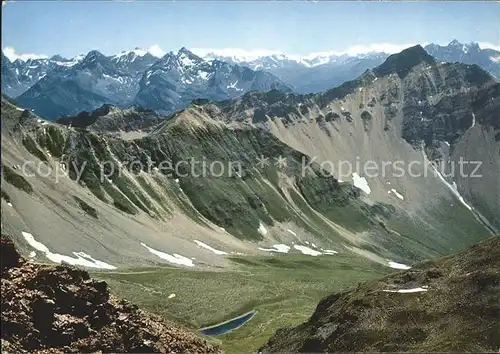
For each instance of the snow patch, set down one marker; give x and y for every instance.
(171, 296)
(204, 245)
(397, 265)
(185, 61)
(32, 254)
(307, 250)
(329, 252)
(280, 248)
(171, 258)
(233, 86)
(81, 259)
(9, 204)
(405, 291)
(290, 231)
(361, 183)
(203, 75)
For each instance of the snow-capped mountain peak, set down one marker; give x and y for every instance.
(188, 58)
(94, 56)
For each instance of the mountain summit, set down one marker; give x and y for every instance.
(402, 63)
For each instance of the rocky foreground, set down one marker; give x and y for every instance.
(450, 304)
(60, 309)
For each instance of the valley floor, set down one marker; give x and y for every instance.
(284, 289)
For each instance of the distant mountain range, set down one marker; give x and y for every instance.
(176, 80)
(58, 87)
(317, 73)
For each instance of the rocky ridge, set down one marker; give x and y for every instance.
(47, 309)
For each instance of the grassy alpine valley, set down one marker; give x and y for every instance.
(284, 290)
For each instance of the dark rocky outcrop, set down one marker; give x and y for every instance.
(109, 119)
(60, 309)
(458, 312)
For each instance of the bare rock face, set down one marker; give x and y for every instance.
(61, 309)
(10, 256)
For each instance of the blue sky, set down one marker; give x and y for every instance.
(69, 28)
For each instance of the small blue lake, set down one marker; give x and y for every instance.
(228, 326)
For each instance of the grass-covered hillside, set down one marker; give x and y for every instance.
(449, 304)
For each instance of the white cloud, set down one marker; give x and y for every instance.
(237, 53)
(486, 45)
(249, 55)
(389, 48)
(12, 55)
(156, 51)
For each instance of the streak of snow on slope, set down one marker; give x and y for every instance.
(277, 248)
(400, 196)
(82, 259)
(262, 229)
(290, 231)
(452, 187)
(473, 120)
(361, 183)
(307, 250)
(171, 258)
(204, 245)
